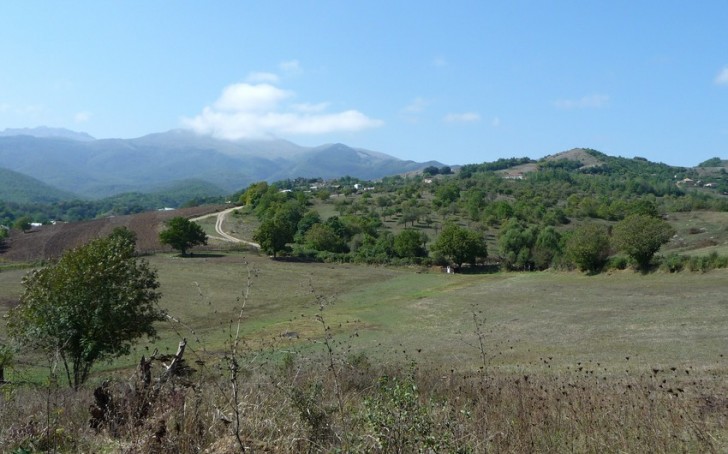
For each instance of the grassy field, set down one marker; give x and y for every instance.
(699, 233)
(574, 362)
(658, 320)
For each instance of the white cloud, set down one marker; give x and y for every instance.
(262, 77)
(466, 117)
(722, 77)
(249, 111)
(585, 102)
(250, 98)
(311, 108)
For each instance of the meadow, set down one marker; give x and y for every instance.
(516, 362)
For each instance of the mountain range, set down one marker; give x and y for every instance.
(79, 165)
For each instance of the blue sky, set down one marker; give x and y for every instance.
(456, 81)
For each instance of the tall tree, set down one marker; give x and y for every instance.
(515, 242)
(641, 236)
(91, 305)
(279, 226)
(460, 245)
(182, 234)
(546, 248)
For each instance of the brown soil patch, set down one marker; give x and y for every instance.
(50, 241)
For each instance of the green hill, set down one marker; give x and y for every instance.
(21, 188)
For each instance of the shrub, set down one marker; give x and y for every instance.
(673, 263)
(618, 262)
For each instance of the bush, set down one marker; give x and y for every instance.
(618, 262)
(673, 263)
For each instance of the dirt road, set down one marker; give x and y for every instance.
(218, 227)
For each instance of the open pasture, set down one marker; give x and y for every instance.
(618, 362)
(544, 320)
(529, 321)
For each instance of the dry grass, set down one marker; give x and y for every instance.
(290, 406)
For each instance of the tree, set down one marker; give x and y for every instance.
(410, 243)
(641, 236)
(182, 234)
(515, 242)
(23, 223)
(430, 170)
(253, 193)
(279, 226)
(547, 247)
(323, 237)
(125, 234)
(588, 247)
(91, 305)
(460, 245)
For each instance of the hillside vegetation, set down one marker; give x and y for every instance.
(353, 339)
(515, 214)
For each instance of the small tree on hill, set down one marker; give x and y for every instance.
(23, 223)
(182, 234)
(588, 247)
(91, 305)
(460, 245)
(641, 236)
(410, 243)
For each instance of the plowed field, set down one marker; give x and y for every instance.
(50, 241)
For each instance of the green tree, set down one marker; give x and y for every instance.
(547, 247)
(125, 234)
(323, 237)
(515, 242)
(253, 193)
(460, 245)
(308, 220)
(23, 223)
(410, 243)
(446, 194)
(182, 234)
(430, 170)
(279, 226)
(91, 305)
(641, 236)
(588, 247)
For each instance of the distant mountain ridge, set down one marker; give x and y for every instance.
(78, 163)
(44, 131)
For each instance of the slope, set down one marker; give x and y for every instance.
(19, 188)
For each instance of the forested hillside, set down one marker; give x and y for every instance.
(565, 211)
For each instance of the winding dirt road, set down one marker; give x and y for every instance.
(218, 228)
